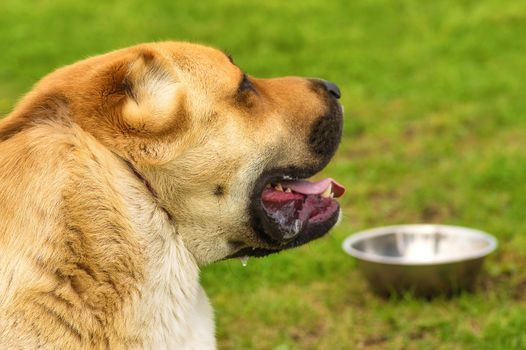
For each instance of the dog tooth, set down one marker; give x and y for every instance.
(297, 226)
(331, 195)
(288, 190)
(279, 187)
(244, 260)
(327, 192)
(268, 186)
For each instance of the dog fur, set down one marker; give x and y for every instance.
(123, 173)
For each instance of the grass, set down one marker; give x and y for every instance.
(435, 132)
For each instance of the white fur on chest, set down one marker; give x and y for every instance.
(177, 306)
(171, 310)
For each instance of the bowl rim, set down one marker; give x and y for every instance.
(347, 244)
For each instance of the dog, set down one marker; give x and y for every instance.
(122, 174)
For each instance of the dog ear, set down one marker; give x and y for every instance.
(134, 102)
(154, 100)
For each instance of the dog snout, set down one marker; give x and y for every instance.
(326, 134)
(326, 131)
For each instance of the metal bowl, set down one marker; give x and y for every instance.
(424, 260)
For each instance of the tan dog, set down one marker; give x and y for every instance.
(122, 173)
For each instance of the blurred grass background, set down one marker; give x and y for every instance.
(435, 131)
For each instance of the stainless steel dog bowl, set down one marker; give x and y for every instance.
(425, 260)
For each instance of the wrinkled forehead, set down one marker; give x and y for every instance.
(202, 65)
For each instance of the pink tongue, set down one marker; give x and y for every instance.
(307, 187)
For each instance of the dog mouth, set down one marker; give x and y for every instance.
(288, 211)
(292, 206)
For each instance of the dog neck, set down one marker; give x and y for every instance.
(112, 270)
(170, 300)
(165, 292)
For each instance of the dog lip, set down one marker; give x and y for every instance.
(256, 209)
(252, 252)
(317, 232)
(259, 218)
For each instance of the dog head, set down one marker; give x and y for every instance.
(221, 151)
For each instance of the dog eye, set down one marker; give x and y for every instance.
(245, 84)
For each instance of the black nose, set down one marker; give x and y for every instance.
(332, 88)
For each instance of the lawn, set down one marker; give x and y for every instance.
(435, 131)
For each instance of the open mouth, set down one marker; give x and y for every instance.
(290, 211)
(292, 207)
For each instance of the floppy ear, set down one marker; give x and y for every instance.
(134, 104)
(154, 99)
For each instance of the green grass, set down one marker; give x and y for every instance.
(435, 132)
